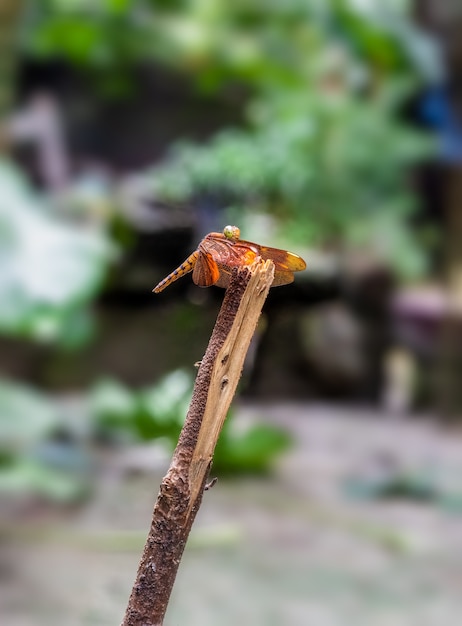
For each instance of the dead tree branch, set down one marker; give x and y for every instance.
(182, 488)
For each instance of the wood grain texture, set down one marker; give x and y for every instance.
(182, 488)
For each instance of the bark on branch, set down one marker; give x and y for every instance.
(182, 488)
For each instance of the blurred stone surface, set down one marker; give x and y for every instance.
(288, 549)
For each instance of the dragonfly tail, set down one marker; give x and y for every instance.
(186, 267)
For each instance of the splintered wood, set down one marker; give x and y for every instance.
(183, 486)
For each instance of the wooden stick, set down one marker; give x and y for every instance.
(182, 488)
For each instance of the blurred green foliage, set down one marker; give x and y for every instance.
(51, 268)
(214, 39)
(47, 447)
(34, 457)
(159, 412)
(53, 265)
(323, 150)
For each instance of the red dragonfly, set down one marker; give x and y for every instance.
(218, 253)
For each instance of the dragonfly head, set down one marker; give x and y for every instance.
(231, 232)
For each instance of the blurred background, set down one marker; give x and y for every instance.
(129, 130)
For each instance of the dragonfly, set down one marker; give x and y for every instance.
(218, 253)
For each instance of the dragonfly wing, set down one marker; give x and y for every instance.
(206, 272)
(282, 278)
(228, 253)
(282, 259)
(225, 277)
(218, 253)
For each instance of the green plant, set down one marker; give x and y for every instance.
(34, 456)
(45, 446)
(51, 268)
(322, 150)
(159, 412)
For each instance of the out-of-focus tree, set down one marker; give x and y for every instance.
(323, 149)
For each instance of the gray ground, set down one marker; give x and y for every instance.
(292, 549)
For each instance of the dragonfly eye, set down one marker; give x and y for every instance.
(231, 232)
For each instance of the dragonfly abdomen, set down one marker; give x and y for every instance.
(186, 267)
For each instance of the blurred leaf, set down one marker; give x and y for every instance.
(112, 401)
(25, 416)
(163, 407)
(30, 463)
(42, 453)
(113, 409)
(50, 268)
(252, 451)
(159, 412)
(28, 477)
